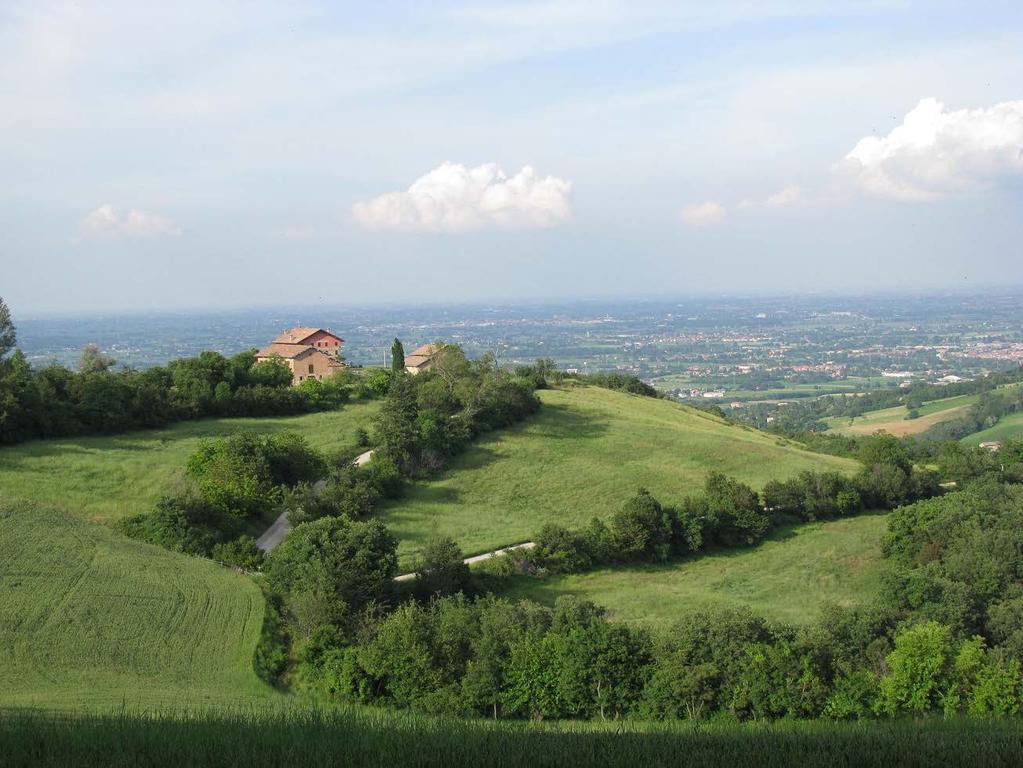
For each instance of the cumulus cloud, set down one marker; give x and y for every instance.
(106, 220)
(703, 215)
(790, 195)
(454, 198)
(937, 152)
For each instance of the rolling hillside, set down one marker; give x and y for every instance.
(787, 578)
(584, 454)
(92, 620)
(106, 478)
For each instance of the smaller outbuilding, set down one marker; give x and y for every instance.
(422, 358)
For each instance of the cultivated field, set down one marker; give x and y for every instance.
(106, 478)
(584, 454)
(92, 620)
(368, 737)
(787, 578)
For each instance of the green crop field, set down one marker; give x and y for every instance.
(1007, 428)
(894, 421)
(106, 478)
(92, 620)
(584, 454)
(364, 737)
(787, 578)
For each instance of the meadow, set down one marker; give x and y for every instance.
(104, 479)
(373, 738)
(91, 619)
(583, 455)
(787, 578)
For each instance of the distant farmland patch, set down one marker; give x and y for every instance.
(894, 421)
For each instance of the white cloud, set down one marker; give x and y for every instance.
(106, 220)
(454, 198)
(787, 196)
(703, 215)
(938, 153)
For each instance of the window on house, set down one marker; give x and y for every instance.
(310, 367)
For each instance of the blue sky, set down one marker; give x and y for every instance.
(195, 155)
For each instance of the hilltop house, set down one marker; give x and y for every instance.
(422, 358)
(311, 353)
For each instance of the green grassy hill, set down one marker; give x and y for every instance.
(92, 620)
(787, 578)
(106, 478)
(584, 454)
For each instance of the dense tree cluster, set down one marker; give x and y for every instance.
(231, 483)
(428, 417)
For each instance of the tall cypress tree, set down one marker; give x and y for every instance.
(7, 335)
(397, 422)
(397, 355)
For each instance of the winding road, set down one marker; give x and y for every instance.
(479, 558)
(280, 527)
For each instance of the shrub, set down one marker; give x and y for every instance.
(242, 474)
(734, 511)
(560, 550)
(375, 382)
(440, 568)
(642, 529)
(241, 552)
(347, 492)
(328, 570)
(183, 521)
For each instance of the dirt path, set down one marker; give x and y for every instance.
(275, 534)
(479, 558)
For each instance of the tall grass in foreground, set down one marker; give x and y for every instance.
(370, 738)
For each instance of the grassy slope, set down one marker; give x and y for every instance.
(584, 454)
(90, 619)
(894, 422)
(107, 478)
(787, 578)
(1008, 427)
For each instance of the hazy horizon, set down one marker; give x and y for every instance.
(537, 302)
(185, 157)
